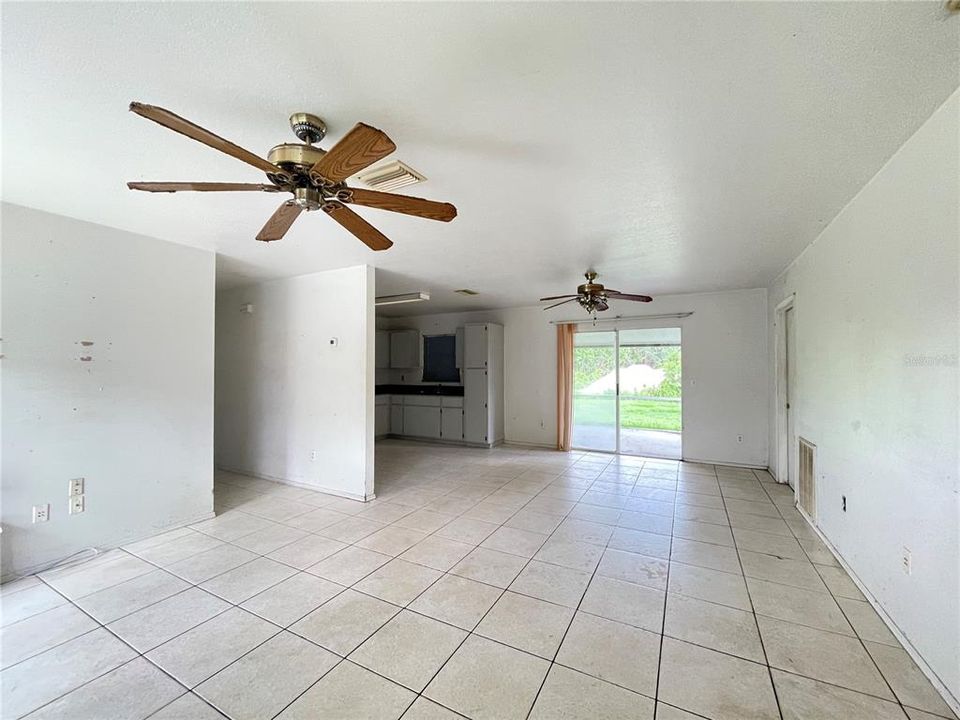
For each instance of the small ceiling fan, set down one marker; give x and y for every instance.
(593, 296)
(315, 177)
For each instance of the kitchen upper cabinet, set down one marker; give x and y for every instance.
(458, 349)
(475, 346)
(382, 349)
(406, 349)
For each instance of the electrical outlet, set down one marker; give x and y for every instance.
(76, 487)
(907, 561)
(739, 438)
(41, 513)
(313, 455)
(76, 505)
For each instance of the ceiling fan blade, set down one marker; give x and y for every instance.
(360, 147)
(558, 297)
(183, 126)
(172, 187)
(280, 222)
(628, 296)
(364, 231)
(563, 302)
(429, 209)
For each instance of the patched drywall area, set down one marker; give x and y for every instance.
(877, 390)
(107, 376)
(295, 380)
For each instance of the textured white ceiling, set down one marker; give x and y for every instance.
(675, 147)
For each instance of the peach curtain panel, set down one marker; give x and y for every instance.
(565, 385)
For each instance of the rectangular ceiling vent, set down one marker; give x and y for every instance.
(465, 291)
(410, 297)
(391, 176)
(807, 485)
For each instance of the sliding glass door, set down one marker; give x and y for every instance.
(627, 392)
(595, 391)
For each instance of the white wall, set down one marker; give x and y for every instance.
(724, 369)
(108, 375)
(876, 313)
(289, 405)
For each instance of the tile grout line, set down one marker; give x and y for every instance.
(466, 637)
(553, 660)
(137, 655)
(856, 634)
(503, 591)
(579, 491)
(753, 612)
(663, 626)
(229, 570)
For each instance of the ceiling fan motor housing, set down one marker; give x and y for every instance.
(592, 297)
(298, 158)
(309, 128)
(295, 158)
(307, 198)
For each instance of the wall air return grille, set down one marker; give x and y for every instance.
(391, 176)
(807, 478)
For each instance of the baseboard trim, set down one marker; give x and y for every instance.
(301, 485)
(724, 463)
(531, 445)
(16, 574)
(938, 684)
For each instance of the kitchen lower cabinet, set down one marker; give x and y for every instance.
(396, 417)
(381, 419)
(451, 423)
(421, 421)
(475, 416)
(439, 417)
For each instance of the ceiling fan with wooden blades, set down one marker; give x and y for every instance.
(593, 297)
(316, 178)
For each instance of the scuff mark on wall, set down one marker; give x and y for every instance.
(86, 343)
(86, 358)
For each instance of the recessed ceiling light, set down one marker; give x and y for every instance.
(391, 176)
(402, 298)
(465, 291)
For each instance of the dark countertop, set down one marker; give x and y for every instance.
(453, 390)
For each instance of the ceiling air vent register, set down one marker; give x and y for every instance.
(391, 176)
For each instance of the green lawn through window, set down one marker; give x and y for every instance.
(637, 413)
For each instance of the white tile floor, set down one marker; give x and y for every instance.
(487, 584)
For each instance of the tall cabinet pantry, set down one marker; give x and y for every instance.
(483, 383)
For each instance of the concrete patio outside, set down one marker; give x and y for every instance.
(649, 443)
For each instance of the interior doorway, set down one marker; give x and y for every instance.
(627, 392)
(786, 468)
